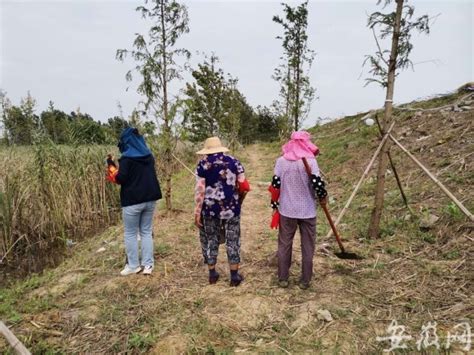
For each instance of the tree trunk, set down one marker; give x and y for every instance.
(296, 106)
(297, 99)
(374, 227)
(288, 100)
(166, 118)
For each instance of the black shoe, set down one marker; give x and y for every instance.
(304, 285)
(283, 283)
(237, 281)
(213, 279)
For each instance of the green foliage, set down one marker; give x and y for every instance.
(214, 106)
(140, 342)
(452, 255)
(84, 130)
(155, 54)
(117, 124)
(23, 127)
(296, 91)
(453, 211)
(382, 63)
(55, 124)
(205, 99)
(155, 61)
(162, 249)
(267, 124)
(20, 122)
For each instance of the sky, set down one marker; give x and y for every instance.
(64, 51)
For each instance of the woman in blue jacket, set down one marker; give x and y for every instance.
(139, 191)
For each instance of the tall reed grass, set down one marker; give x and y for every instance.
(51, 195)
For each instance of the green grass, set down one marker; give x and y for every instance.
(141, 342)
(13, 304)
(438, 101)
(162, 249)
(453, 212)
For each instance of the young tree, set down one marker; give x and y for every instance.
(384, 65)
(155, 56)
(116, 125)
(21, 122)
(55, 124)
(295, 87)
(149, 128)
(267, 121)
(84, 130)
(231, 121)
(5, 105)
(204, 102)
(215, 106)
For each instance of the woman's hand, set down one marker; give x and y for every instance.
(197, 220)
(110, 160)
(324, 200)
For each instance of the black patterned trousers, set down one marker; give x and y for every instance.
(210, 233)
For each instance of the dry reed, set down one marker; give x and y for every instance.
(50, 196)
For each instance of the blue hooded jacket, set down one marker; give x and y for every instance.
(132, 144)
(137, 174)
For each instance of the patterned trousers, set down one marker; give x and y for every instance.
(209, 235)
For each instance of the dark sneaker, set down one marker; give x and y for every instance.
(237, 281)
(283, 283)
(304, 285)
(213, 279)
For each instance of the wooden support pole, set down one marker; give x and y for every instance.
(362, 178)
(395, 173)
(13, 340)
(436, 181)
(184, 165)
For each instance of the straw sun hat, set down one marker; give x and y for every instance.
(213, 145)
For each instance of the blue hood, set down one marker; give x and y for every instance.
(132, 145)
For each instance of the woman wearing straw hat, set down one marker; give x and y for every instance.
(293, 199)
(220, 189)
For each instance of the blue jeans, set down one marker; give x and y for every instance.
(139, 218)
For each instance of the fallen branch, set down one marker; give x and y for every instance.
(13, 340)
(436, 181)
(362, 178)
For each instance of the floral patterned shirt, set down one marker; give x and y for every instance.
(221, 173)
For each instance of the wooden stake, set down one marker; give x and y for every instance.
(185, 166)
(395, 173)
(362, 178)
(436, 181)
(13, 340)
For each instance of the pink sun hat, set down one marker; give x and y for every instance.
(299, 146)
